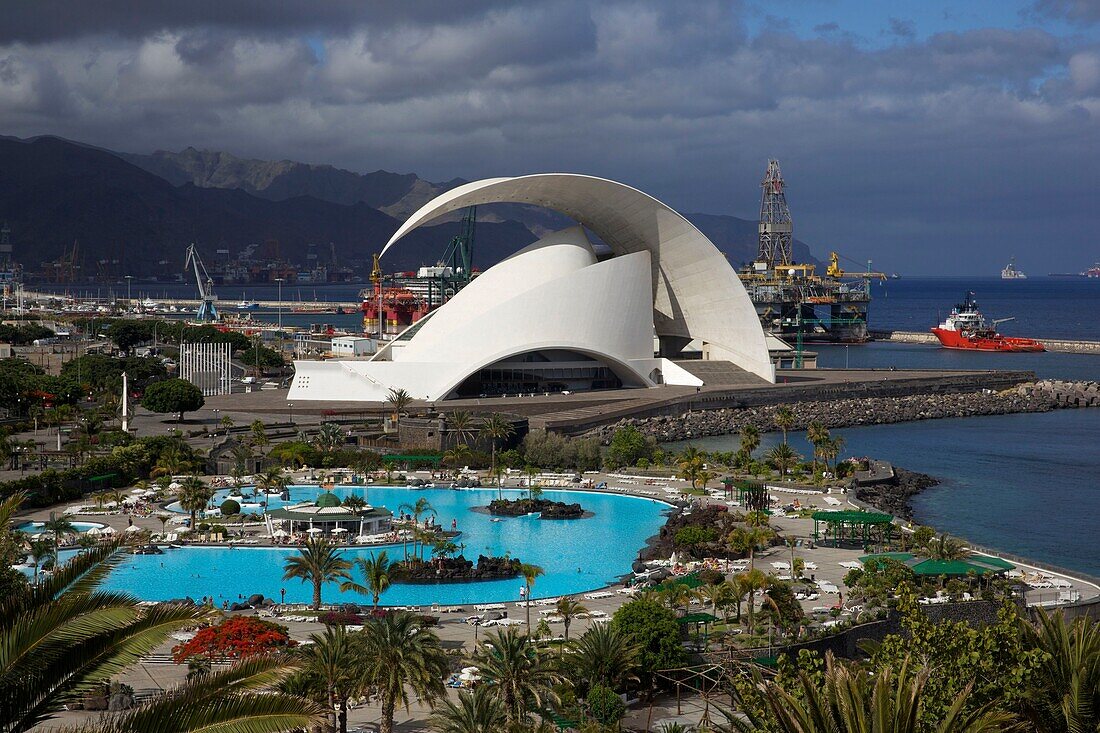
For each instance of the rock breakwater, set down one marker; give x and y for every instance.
(893, 496)
(1040, 396)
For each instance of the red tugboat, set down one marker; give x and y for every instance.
(966, 328)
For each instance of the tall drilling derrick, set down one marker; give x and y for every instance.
(775, 220)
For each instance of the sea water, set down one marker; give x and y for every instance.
(577, 555)
(1027, 484)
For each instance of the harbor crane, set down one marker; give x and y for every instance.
(207, 312)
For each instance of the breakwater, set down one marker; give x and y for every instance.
(1040, 396)
(1067, 346)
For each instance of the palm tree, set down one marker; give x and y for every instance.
(496, 428)
(237, 699)
(747, 539)
(784, 458)
(518, 673)
(461, 424)
(317, 562)
(569, 609)
(399, 400)
(784, 420)
(421, 507)
(474, 712)
(690, 464)
(193, 495)
(398, 654)
(830, 450)
(752, 581)
(603, 655)
(226, 422)
(59, 526)
(376, 571)
(750, 439)
(851, 701)
(355, 503)
(1063, 693)
(945, 548)
(718, 596)
(330, 673)
(817, 434)
(530, 573)
(40, 550)
(456, 456)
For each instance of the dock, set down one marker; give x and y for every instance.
(1065, 346)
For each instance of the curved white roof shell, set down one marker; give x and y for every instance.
(695, 292)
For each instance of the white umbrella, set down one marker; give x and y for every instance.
(108, 530)
(280, 533)
(138, 491)
(469, 677)
(339, 529)
(93, 531)
(470, 670)
(175, 485)
(314, 530)
(133, 528)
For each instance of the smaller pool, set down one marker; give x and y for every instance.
(36, 527)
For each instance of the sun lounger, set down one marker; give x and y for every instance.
(598, 595)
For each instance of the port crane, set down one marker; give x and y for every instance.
(207, 312)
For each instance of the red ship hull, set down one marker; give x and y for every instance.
(985, 342)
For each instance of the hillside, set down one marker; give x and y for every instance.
(53, 192)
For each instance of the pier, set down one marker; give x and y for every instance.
(1065, 346)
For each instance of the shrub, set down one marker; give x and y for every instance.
(605, 706)
(238, 637)
(230, 507)
(340, 618)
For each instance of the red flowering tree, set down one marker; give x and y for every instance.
(237, 637)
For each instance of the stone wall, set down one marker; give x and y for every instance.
(1039, 396)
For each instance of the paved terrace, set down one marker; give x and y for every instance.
(572, 414)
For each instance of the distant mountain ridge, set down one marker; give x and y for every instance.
(140, 209)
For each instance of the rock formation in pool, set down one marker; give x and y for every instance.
(455, 570)
(549, 509)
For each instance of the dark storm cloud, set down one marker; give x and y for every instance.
(946, 148)
(1081, 12)
(36, 21)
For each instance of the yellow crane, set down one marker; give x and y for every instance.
(834, 269)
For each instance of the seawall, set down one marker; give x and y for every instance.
(873, 409)
(1067, 346)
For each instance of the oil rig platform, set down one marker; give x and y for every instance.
(794, 301)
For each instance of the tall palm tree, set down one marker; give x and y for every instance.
(830, 450)
(784, 420)
(569, 609)
(750, 439)
(417, 509)
(530, 573)
(1064, 693)
(752, 581)
(330, 673)
(376, 570)
(461, 424)
(603, 655)
(518, 672)
(478, 711)
(399, 655)
(719, 595)
(193, 496)
(399, 400)
(271, 479)
(355, 503)
(497, 428)
(456, 456)
(58, 526)
(817, 434)
(784, 458)
(317, 562)
(40, 550)
(850, 701)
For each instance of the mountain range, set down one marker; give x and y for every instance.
(140, 210)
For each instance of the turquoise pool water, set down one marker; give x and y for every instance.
(34, 527)
(578, 555)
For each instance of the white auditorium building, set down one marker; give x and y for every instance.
(553, 316)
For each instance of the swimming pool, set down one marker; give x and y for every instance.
(36, 527)
(578, 555)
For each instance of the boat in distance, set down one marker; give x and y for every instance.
(966, 328)
(1011, 273)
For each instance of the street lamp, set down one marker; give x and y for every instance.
(129, 302)
(280, 281)
(217, 423)
(291, 404)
